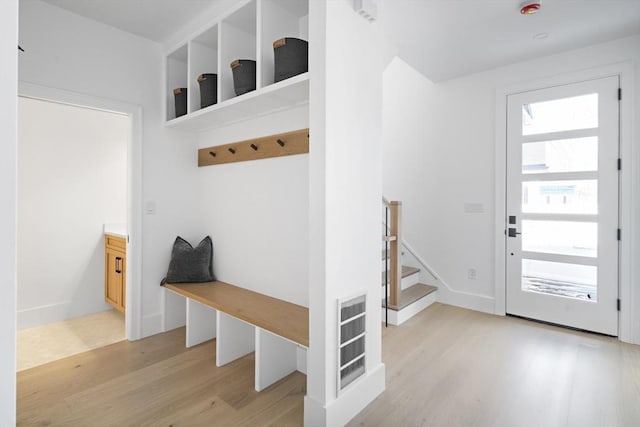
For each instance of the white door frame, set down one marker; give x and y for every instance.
(628, 206)
(133, 314)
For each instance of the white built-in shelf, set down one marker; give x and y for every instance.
(276, 97)
(247, 32)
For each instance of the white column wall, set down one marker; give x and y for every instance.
(345, 198)
(8, 160)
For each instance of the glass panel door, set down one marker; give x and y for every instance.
(562, 206)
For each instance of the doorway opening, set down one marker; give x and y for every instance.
(73, 187)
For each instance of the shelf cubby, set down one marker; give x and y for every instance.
(279, 19)
(237, 41)
(247, 32)
(177, 76)
(203, 59)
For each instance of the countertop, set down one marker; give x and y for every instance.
(119, 230)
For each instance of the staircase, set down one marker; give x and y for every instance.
(405, 295)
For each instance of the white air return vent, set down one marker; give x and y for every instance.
(351, 340)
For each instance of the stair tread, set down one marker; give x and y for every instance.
(412, 294)
(406, 271)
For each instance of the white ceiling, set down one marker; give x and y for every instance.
(442, 39)
(152, 19)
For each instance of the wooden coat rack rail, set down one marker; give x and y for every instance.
(282, 144)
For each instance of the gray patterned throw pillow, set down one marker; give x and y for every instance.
(189, 264)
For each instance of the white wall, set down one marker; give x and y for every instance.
(69, 52)
(434, 162)
(72, 179)
(439, 152)
(8, 160)
(346, 64)
(257, 212)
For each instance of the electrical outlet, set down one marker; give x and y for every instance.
(472, 274)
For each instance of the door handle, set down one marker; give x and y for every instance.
(512, 232)
(118, 268)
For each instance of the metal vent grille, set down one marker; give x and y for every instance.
(351, 340)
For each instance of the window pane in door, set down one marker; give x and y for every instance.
(560, 237)
(565, 155)
(578, 112)
(562, 197)
(562, 279)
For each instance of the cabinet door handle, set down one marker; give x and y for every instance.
(118, 266)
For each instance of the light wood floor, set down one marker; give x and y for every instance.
(154, 382)
(445, 367)
(55, 341)
(455, 367)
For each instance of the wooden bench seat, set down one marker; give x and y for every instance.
(280, 317)
(242, 322)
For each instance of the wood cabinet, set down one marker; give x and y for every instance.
(115, 273)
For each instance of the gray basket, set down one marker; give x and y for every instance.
(208, 89)
(244, 75)
(180, 97)
(291, 57)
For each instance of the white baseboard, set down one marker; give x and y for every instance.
(175, 310)
(348, 404)
(46, 314)
(471, 301)
(151, 324)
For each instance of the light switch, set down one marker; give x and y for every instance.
(150, 207)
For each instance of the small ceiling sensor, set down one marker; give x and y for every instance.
(530, 8)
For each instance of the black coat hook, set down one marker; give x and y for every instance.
(232, 150)
(255, 147)
(213, 154)
(280, 142)
(20, 48)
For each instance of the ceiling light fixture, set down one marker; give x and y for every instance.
(530, 8)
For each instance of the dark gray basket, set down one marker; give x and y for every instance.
(291, 57)
(244, 75)
(208, 89)
(180, 96)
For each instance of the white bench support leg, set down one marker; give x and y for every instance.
(235, 339)
(201, 323)
(174, 310)
(275, 358)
